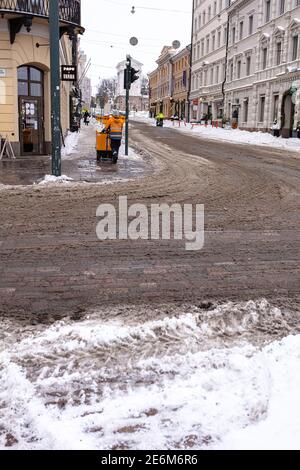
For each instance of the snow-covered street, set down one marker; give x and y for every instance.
(197, 380)
(236, 136)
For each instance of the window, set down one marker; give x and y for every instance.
(275, 106)
(231, 71)
(209, 14)
(278, 53)
(215, 8)
(233, 35)
(213, 42)
(246, 110)
(202, 48)
(281, 7)
(22, 88)
(262, 108)
(217, 73)
(207, 45)
(250, 25)
(30, 81)
(212, 75)
(295, 48)
(241, 30)
(268, 10)
(219, 38)
(264, 58)
(248, 66)
(239, 66)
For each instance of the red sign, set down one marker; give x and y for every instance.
(196, 102)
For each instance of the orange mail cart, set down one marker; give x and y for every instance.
(103, 147)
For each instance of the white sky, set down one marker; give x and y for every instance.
(109, 25)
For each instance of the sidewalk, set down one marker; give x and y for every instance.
(80, 164)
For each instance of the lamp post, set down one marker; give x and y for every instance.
(127, 82)
(226, 61)
(55, 86)
(191, 65)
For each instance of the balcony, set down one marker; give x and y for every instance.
(21, 13)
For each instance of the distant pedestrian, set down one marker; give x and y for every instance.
(276, 128)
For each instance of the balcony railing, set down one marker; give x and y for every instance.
(69, 9)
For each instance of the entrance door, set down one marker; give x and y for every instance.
(31, 130)
(288, 115)
(31, 114)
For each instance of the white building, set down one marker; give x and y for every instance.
(254, 70)
(208, 58)
(84, 80)
(86, 88)
(264, 64)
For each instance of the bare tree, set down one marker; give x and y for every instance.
(106, 91)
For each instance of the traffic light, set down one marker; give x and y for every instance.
(133, 75)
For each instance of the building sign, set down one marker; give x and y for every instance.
(196, 102)
(2, 73)
(69, 73)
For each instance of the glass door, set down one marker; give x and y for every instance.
(31, 126)
(31, 114)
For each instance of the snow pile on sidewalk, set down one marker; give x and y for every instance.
(71, 142)
(49, 179)
(235, 136)
(155, 385)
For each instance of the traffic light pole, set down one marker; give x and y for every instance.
(55, 86)
(128, 83)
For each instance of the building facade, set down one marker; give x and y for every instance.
(25, 116)
(264, 64)
(169, 84)
(181, 69)
(246, 63)
(84, 81)
(208, 59)
(137, 100)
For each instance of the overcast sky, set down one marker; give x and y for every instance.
(109, 25)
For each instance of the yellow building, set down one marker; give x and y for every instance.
(163, 91)
(153, 92)
(180, 83)
(25, 116)
(169, 83)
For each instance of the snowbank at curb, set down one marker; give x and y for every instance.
(195, 390)
(234, 136)
(49, 179)
(71, 143)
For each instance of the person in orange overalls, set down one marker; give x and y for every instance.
(114, 127)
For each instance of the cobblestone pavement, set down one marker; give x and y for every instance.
(52, 264)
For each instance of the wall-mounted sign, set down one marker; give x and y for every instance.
(196, 102)
(2, 73)
(69, 73)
